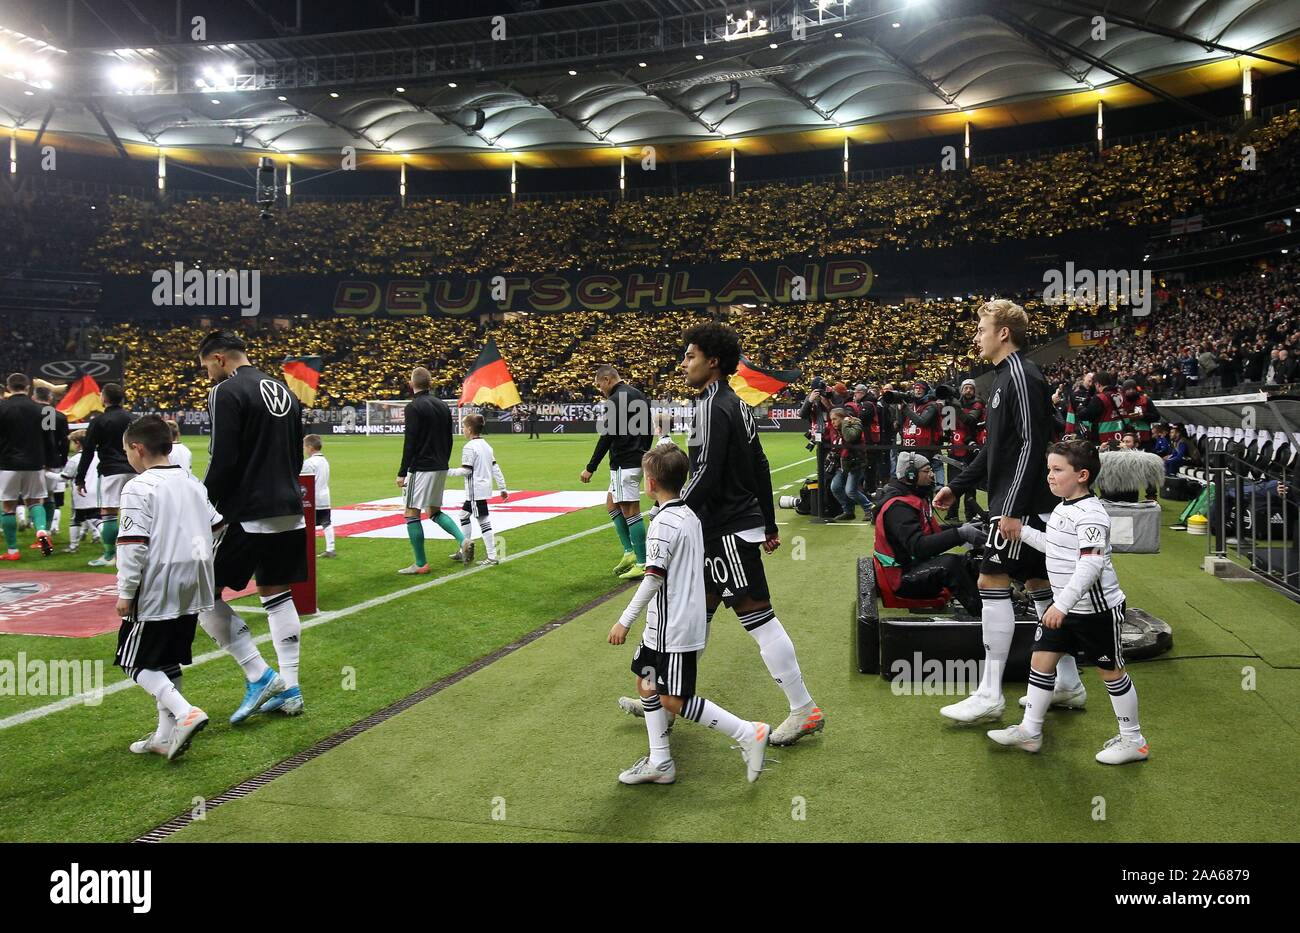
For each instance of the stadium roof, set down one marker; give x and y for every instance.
(587, 84)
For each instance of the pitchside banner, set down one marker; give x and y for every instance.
(215, 291)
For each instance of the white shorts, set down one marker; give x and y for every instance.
(22, 484)
(108, 492)
(424, 489)
(625, 484)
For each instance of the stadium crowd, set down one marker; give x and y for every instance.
(1130, 185)
(1241, 330)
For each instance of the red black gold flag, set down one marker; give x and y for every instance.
(81, 399)
(302, 375)
(489, 381)
(754, 384)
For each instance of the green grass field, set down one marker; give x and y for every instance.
(529, 747)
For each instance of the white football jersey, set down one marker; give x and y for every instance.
(165, 544)
(182, 457)
(477, 457)
(674, 549)
(89, 500)
(319, 467)
(1072, 526)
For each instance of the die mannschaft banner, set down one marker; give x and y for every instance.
(180, 291)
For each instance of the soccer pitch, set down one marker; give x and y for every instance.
(529, 747)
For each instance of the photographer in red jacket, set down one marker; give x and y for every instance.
(966, 432)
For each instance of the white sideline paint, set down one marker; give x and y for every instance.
(48, 709)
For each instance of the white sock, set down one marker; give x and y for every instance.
(74, 535)
(1067, 673)
(713, 716)
(999, 623)
(55, 512)
(777, 651)
(231, 633)
(1040, 699)
(161, 688)
(1124, 699)
(329, 537)
(656, 726)
(489, 539)
(282, 616)
(166, 721)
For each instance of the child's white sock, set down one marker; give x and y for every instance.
(713, 716)
(656, 725)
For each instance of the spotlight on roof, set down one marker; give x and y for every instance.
(572, 73)
(401, 90)
(451, 84)
(334, 94)
(699, 58)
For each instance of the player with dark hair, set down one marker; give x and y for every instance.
(730, 489)
(104, 441)
(255, 456)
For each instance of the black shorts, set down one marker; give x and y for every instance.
(84, 515)
(1016, 559)
(274, 559)
(672, 672)
(477, 505)
(154, 645)
(57, 498)
(733, 569)
(322, 518)
(1093, 637)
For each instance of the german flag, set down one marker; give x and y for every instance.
(489, 381)
(302, 375)
(81, 399)
(754, 384)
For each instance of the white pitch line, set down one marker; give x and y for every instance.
(48, 709)
(40, 712)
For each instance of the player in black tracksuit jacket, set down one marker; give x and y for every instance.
(625, 434)
(26, 451)
(1012, 466)
(427, 447)
(255, 457)
(730, 490)
(104, 439)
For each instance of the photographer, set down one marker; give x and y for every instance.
(966, 440)
(910, 542)
(869, 412)
(1139, 413)
(816, 411)
(923, 425)
(850, 447)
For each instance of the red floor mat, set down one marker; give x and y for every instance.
(72, 605)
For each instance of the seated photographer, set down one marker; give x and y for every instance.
(910, 542)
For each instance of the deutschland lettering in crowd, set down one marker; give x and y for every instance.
(777, 282)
